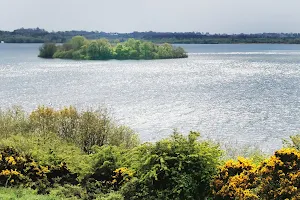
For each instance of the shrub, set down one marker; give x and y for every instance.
(175, 168)
(86, 129)
(47, 50)
(235, 180)
(280, 176)
(17, 169)
(51, 151)
(294, 142)
(24, 194)
(69, 192)
(111, 196)
(61, 175)
(13, 121)
(107, 172)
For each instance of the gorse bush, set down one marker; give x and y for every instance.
(280, 176)
(275, 178)
(17, 169)
(79, 48)
(51, 151)
(235, 180)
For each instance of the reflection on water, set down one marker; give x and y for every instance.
(245, 94)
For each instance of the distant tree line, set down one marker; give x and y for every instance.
(79, 48)
(38, 35)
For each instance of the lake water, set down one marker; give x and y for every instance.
(242, 94)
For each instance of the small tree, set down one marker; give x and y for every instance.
(47, 50)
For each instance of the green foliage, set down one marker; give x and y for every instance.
(69, 192)
(108, 175)
(293, 142)
(51, 151)
(13, 121)
(73, 154)
(176, 168)
(38, 35)
(111, 196)
(233, 152)
(17, 169)
(79, 48)
(84, 129)
(24, 194)
(47, 50)
(77, 42)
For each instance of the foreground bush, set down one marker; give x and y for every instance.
(275, 178)
(176, 168)
(235, 180)
(51, 151)
(280, 176)
(108, 171)
(17, 169)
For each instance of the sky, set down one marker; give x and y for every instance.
(214, 16)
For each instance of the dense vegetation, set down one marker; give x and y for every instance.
(70, 154)
(79, 48)
(41, 36)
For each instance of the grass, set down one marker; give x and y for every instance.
(24, 194)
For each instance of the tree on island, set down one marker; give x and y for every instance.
(79, 48)
(47, 50)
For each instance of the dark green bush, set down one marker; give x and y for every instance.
(105, 176)
(47, 50)
(17, 169)
(176, 168)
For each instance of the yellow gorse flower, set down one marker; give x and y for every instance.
(10, 160)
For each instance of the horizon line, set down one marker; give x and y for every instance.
(200, 32)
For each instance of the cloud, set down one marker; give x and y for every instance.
(230, 16)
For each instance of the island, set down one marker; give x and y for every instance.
(80, 48)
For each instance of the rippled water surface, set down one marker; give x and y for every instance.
(244, 94)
